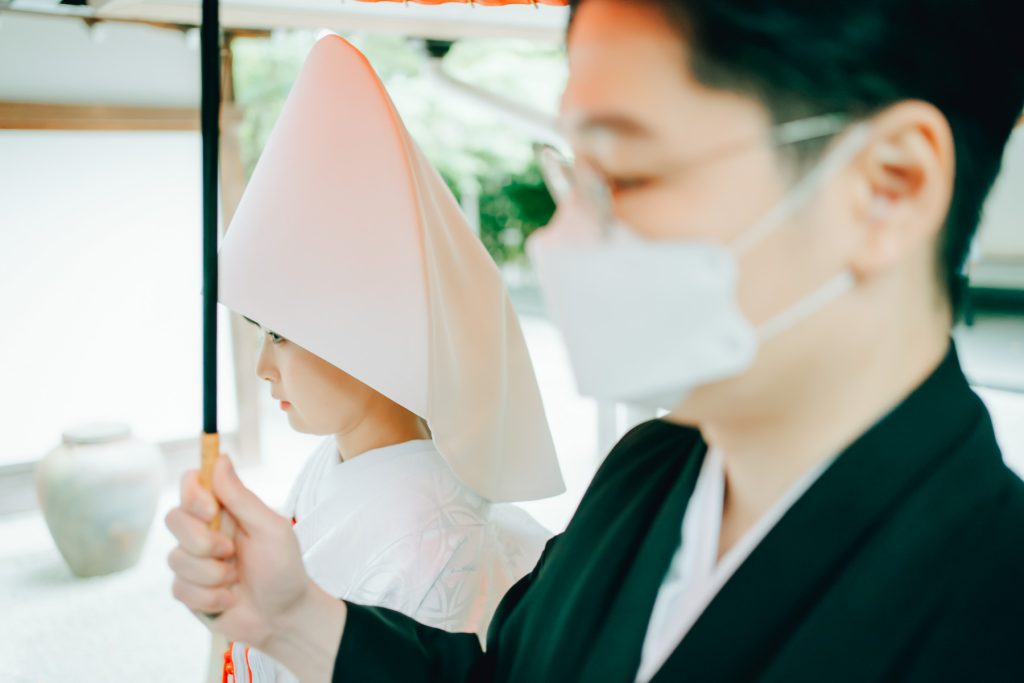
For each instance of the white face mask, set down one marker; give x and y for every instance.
(647, 321)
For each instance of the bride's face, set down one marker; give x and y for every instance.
(318, 397)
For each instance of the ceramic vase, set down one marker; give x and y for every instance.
(98, 491)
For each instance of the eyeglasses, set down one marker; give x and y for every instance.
(566, 177)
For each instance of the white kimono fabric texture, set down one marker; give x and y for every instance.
(395, 528)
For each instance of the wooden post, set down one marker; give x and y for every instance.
(243, 340)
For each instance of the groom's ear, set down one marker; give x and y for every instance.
(903, 187)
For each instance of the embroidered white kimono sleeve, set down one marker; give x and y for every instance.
(395, 528)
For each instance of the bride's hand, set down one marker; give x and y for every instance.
(248, 579)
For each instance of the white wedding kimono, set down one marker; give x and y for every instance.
(416, 309)
(395, 528)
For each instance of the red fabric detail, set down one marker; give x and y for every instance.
(247, 664)
(228, 676)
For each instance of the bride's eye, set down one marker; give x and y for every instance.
(275, 337)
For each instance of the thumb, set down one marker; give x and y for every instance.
(244, 505)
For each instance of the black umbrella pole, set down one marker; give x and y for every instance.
(210, 123)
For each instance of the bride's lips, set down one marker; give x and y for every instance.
(285, 405)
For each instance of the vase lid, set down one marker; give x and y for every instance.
(96, 432)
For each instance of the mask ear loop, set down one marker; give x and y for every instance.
(805, 189)
(797, 313)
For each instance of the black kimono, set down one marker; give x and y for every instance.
(903, 562)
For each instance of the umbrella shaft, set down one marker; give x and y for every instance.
(210, 123)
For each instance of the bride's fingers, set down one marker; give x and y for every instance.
(228, 525)
(195, 537)
(203, 572)
(201, 599)
(196, 499)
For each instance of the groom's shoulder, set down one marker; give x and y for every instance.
(645, 448)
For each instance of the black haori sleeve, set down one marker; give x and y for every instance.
(380, 644)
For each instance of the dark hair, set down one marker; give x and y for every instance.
(805, 57)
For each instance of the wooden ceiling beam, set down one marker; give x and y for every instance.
(47, 116)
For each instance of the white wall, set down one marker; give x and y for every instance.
(100, 281)
(1001, 233)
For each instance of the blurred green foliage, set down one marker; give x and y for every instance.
(474, 150)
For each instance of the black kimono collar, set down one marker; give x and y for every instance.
(786, 572)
